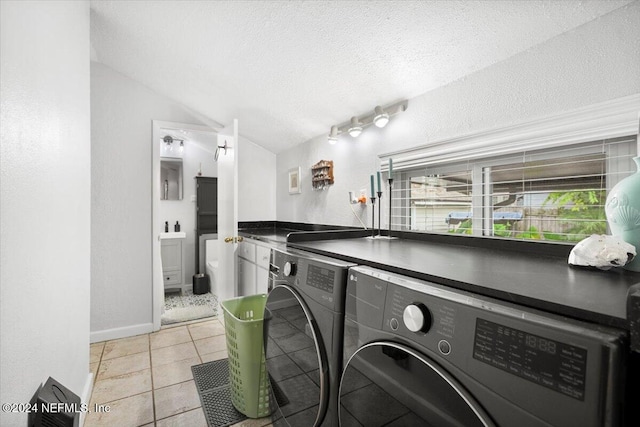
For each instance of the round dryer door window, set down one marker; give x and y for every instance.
(390, 384)
(295, 360)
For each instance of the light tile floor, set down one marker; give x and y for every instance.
(146, 380)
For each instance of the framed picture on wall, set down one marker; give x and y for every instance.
(294, 181)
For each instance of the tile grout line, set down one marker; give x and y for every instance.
(199, 358)
(101, 361)
(153, 389)
(195, 346)
(95, 380)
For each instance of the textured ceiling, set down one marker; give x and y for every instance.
(288, 70)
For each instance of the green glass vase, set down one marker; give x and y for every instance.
(623, 212)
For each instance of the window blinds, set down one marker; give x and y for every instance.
(549, 194)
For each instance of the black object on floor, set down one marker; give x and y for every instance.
(200, 284)
(212, 383)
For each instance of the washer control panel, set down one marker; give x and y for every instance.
(416, 317)
(550, 363)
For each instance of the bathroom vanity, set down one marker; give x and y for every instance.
(171, 252)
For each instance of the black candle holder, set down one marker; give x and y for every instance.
(373, 216)
(390, 200)
(379, 213)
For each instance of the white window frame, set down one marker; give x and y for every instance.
(612, 119)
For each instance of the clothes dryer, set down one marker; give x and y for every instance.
(304, 336)
(420, 354)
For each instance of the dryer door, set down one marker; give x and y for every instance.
(390, 384)
(295, 359)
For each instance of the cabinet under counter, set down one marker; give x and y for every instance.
(171, 253)
(253, 266)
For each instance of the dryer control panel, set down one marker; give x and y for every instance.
(319, 278)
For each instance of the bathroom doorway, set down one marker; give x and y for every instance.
(189, 151)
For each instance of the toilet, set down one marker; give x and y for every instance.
(211, 260)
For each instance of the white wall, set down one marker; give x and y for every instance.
(596, 62)
(199, 150)
(45, 199)
(256, 182)
(122, 111)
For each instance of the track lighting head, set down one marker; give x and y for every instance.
(333, 135)
(380, 117)
(355, 129)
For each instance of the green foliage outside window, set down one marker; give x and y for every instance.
(583, 211)
(500, 230)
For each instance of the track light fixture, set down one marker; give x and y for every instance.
(333, 135)
(380, 117)
(355, 129)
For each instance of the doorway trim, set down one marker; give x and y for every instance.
(157, 289)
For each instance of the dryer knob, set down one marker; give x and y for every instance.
(417, 318)
(289, 269)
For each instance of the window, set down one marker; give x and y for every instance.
(555, 194)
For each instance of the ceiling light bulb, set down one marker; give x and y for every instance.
(381, 117)
(181, 148)
(333, 136)
(355, 128)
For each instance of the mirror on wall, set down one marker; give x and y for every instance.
(170, 178)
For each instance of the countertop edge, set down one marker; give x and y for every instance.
(534, 303)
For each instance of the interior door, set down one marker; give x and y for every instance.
(227, 154)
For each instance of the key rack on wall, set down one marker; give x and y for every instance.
(322, 174)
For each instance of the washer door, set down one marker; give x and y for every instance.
(390, 384)
(296, 360)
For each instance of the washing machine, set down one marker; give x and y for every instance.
(420, 354)
(304, 335)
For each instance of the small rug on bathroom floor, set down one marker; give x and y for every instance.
(212, 383)
(181, 308)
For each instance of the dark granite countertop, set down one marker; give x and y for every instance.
(277, 231)
(532, 279)
(268, 234)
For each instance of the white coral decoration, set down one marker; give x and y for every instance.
(602, 251)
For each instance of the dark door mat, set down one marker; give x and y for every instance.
(212, 382)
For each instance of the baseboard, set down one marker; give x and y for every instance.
(86, 396)
(124, 332)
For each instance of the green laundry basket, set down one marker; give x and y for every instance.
(243, 319)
